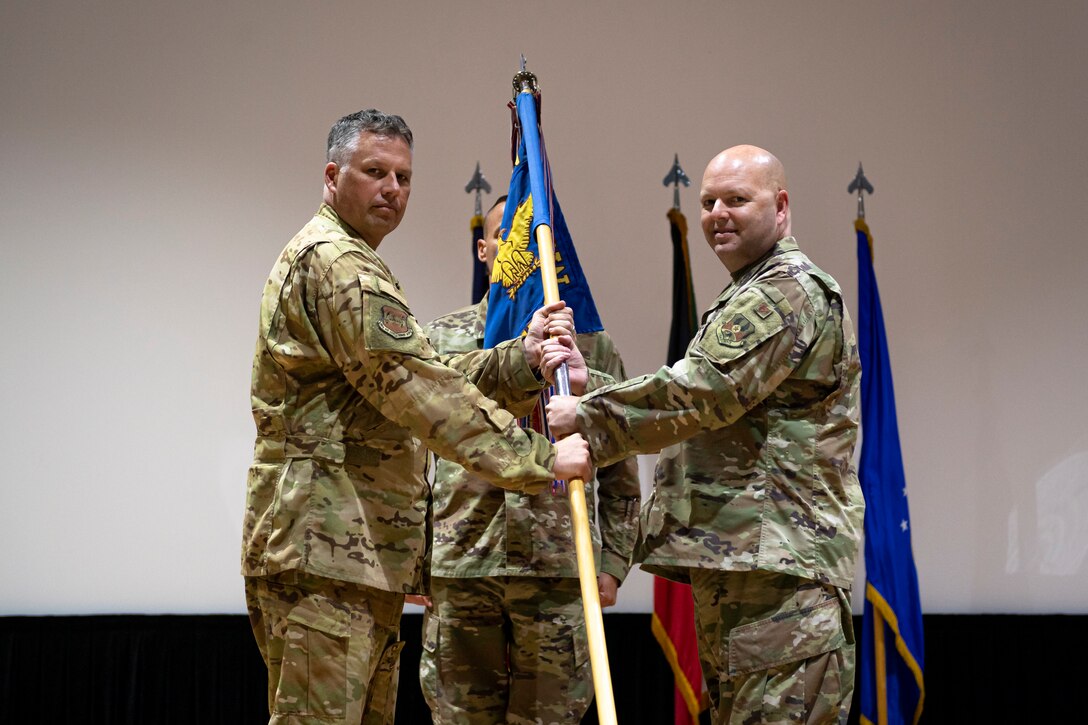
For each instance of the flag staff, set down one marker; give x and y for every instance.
(478, 183)
(480, 279)
(525, 83)
(860, 184)
(673, 622)
(891, 681)
(676, 176)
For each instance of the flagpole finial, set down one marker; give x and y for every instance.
(478, 183)
(861, 185)
(525, 81)
(676, 176)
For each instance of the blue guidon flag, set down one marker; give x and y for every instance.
(892, 689)
(517, 290)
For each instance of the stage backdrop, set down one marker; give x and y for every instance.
(157, 155)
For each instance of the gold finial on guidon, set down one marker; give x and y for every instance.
(524, 81)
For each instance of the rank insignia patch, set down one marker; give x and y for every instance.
(733, 332)
(764, 310)
(394, 322)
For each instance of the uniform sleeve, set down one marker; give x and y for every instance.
(738, 358)
(619, 494)
(383, 353)
(501, 373)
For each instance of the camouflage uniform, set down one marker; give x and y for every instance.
(505, 640)
(758, 424)
(344, 382)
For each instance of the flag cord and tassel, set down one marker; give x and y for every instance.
(525, 84)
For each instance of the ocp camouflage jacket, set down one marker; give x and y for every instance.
(345, 384)
(479, 530)
(758, 424)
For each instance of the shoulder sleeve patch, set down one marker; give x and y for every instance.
(746, 322)
(387, 322)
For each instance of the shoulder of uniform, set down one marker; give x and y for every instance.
(790, 280)
(599, 350)
(455, 331)
(768, 298)
(595, 346)
(600, 336)
(454, 319)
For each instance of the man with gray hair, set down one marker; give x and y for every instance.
(346, 392)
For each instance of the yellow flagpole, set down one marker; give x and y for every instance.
(583, 543)
(525, 82)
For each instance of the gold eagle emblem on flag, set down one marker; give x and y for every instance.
(514, 262)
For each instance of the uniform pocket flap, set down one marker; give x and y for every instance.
(430, 632)
(318, 613)
(751, 319)
(787, 638)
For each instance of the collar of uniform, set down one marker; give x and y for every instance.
(746, 273)
(327, 212)
(783, 245)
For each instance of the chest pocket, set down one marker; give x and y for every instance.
(746, 321)
(388, 325)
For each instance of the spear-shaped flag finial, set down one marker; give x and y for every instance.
(524, 80)
(676, 176)
(478, 184)
(861, 185)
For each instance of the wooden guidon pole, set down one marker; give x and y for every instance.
(525, 82)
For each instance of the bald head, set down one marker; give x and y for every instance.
(756, 162)
(745, 205)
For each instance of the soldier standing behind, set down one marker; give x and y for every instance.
(344, 383)
(756, 501)
(504, 638)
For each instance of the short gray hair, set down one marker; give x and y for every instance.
(345, 133)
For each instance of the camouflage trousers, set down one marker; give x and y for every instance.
(774, 648)
(331, 648)
(505, 650)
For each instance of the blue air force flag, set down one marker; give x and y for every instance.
(892, 641)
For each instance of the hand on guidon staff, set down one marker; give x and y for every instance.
(607, 588)
(559, 350)
(553, 319)
(572, 459)
(421, 599)
(562, 418)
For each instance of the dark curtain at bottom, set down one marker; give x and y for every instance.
(160, 670)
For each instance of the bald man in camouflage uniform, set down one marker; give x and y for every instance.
(504, 637)
(756, 501)
(344, 384)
